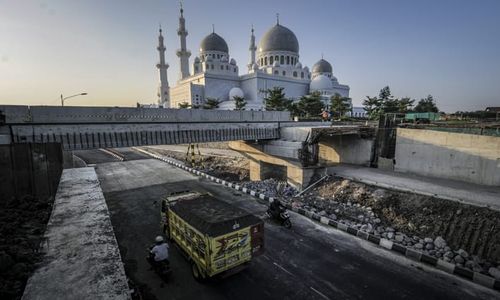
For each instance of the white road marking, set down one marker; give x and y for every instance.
(283, 268)
(266, 257)
(319, 293)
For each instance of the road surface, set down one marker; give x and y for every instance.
(309, 261)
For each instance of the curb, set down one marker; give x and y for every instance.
(412, 254)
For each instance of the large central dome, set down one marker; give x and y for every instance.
(279, 38)
(213, 42)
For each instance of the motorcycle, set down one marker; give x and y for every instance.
(282, 216)
(162, 268)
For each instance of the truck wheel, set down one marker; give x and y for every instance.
(198, 276)
(287, 224)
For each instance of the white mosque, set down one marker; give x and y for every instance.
(275, 62)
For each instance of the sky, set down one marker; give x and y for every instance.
(447, 48)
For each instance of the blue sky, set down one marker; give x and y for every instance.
(450, 49)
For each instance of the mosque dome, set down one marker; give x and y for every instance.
(236, 91)
(214, 42)
(322, 66)
(279, 38)
(298, 65)
(320, 83)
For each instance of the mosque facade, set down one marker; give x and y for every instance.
(274, 62)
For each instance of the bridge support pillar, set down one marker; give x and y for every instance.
(264, 166)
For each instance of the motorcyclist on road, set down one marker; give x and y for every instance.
(159, 253)
(276, 207)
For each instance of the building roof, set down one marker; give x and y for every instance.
(214, 42)
(212, 216)
(279, 38)
(321, 83)
(322, 66)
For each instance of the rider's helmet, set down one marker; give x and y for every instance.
(159, 239)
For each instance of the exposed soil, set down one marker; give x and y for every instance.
(234, 169)
(467, 227)
(22, 225)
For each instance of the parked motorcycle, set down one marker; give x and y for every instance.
(283, 217)
(162, 268)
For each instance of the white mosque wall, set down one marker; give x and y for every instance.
(219, 87)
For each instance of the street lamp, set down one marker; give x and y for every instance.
(75, 95)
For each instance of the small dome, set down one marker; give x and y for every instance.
(255, 66)
(214, 42)
(236, 91)
(320, 83)
(276, 63)
(322, 66)
(233, 62)
(279, 38)
(224, 59)
(298, 65)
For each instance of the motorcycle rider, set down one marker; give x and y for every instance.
(159, 253)
(276, 207)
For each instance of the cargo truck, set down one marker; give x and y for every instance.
(217, 238)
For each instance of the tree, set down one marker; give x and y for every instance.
(426, 105)
(184, 105)
(386, 103)
(211, 103)
(373, 107)
(339, 105)
(405, 104)
(239, 103)
(310, 105)
(276, 100)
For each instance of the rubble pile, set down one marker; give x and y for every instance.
(22, 225)
(414, 221)
(271, 188)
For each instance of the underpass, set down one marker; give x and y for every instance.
(307, 262)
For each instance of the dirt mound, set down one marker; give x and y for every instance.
(22, 225)
(234, 169)
(465, 227)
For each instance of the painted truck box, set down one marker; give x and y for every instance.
(215, 236)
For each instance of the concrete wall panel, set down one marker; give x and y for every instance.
(466, 157)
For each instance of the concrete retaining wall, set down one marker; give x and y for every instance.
(466, 157)
(29, 169)
(347, 149)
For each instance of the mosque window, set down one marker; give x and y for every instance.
(271, 60)
(301, 74)
(287, 60)
(212, 67)
(265, 60)
(276, 58)
(222, 67)
(294, 73)
(282, 60)
(227, 67)
(284, 73)
(234, 70)
(206, 66)
(276, 72)
(218, 55)
(196, 69)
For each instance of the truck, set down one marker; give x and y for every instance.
(217, 238)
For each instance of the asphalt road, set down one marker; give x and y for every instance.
(97, 156)
(310, 261)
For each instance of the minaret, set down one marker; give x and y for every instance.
(183, 53)
(163, 88)
(252, 49)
